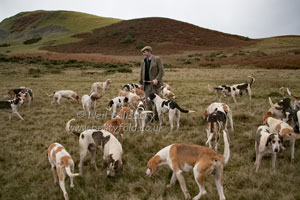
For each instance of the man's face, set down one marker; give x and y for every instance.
(146, 54)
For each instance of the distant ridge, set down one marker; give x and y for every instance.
(167, 36)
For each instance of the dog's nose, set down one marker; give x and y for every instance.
(276, 150)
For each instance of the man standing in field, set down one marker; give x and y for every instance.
(152, 71)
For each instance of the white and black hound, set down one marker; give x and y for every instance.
(292, 117)
(28, 94)
(296, 105)
(116, 102)
(216, 123)
(222, 107)
(130, 86)
(163, 106)
(140, 116)
(233, 90)
(11, 106)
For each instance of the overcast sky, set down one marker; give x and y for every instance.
(251, 18)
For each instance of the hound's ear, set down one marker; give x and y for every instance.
(270, 138)
(93, 97)
(97, 136)
(281, 138)
(105, 140)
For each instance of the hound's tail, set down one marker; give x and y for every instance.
(146, 112)
(68, 169)
(288, 91)
(252, 80)
(69, 130)
(50, 95)
(182, 110)
(226, 154)
(271, 103)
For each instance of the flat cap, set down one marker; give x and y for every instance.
(147, 48)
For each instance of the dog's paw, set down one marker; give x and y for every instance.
(187, 196)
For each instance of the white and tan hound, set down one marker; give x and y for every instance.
(165, 92)
(61, 164)
(89, 103)
(199, 159)
(103, 85)
(285, 131)
(68, 94)
(116, 125)
(266, 143)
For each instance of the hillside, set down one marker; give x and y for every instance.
(167, 36)
(53, 27)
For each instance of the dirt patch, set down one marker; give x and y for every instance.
(166, 36)
(3, 34)
(22, 23)
(51, 29)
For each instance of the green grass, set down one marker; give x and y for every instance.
(25, 171)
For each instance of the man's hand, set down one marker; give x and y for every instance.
(141, 87)
(154, 82)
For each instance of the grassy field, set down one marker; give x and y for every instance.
(25, 171)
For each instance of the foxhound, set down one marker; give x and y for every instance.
(115, 103)
(133, 98)
(266, 143)
(166, 93)
(90, 139)
(140, 116)
(116, 125)
(285, 131)
(68, 94)
(138, 92)
(215, 125)
(130, 86)
(275, 111)
(292, 117)
(61, 164)
(11, 106)
(185, 158)
(234, 90)
(103, 85)
(28, 94)
(296, 104)
(89, 103)
(163, 106)
(222, 107)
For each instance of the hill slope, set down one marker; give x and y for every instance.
(167, 36)
(54, 27)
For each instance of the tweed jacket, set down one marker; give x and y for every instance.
(156, 70)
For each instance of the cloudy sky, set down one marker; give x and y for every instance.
(251, 18)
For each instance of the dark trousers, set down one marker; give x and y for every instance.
(148, 89)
